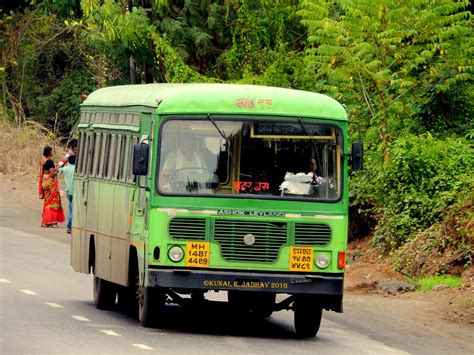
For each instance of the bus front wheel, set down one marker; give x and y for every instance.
(151, 302)
(105, 293)
(307, 316)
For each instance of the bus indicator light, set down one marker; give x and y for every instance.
(341, 260)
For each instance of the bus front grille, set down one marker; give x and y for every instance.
(188, 228)
(312, 234)
(250, 241)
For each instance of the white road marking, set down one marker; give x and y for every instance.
(29, 292)
(110, 332)
(54, 305)
(81, 318)
(5, 281)
(142, 346)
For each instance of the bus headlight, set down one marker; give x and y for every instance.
(176, 254)
(322, 260)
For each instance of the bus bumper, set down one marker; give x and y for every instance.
(223, 280)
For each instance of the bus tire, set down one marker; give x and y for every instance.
(105, 293)
(151, 302)
(307, 316)
(127, 297)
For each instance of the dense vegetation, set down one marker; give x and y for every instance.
(402, 68)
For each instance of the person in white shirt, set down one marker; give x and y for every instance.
(186, 156)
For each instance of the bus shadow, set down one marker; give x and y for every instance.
(222, 320)
(209, 318)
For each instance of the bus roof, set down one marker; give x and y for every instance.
(219, 99)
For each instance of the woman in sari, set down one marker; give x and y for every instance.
(49, 191)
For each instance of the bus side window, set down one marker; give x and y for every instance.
(111, 157)
(90, 155)
(95, 161)
(125, 158)
(103, 152)
(106, 117)
(79, 151)
(84, 153)
(118, 158)
(130, 165)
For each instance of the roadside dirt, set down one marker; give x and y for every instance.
(365, 271)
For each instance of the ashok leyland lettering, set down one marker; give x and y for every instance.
(182, 189)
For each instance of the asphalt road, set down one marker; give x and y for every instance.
(46, 307)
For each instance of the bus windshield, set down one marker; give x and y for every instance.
(250, 158)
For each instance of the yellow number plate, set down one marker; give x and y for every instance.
(301, 259)
(197, 254)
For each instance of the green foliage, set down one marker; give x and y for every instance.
(60, 8)
(387, 60)
(265, 44)
(444, 248)
(427, 283)
(425, 175)
(44, 71)
(176, 71)
(198, 31)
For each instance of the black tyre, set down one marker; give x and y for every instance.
(151, 303)
(127, 298)
(105, 293)
(308, 315)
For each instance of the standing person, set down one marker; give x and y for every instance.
(72, 150)
(68, 172)
(49, 191)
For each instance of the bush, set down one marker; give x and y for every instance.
(444, 248)
(424, 176)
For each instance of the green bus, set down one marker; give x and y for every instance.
(181, 189)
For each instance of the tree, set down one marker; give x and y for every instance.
(381, 57)
(43, 72)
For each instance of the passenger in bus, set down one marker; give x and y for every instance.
(313, 168)
(48, 190)
(68, 172)
(72, 150)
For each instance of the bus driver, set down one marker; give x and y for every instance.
(186, 156)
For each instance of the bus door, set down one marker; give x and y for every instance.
(80, 246)
(140, 198)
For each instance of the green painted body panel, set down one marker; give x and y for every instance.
(177, 99)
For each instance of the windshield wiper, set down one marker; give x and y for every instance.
(209, 117)
(221, 132)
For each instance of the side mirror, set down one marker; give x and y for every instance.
(140, 159)
(357, 156)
